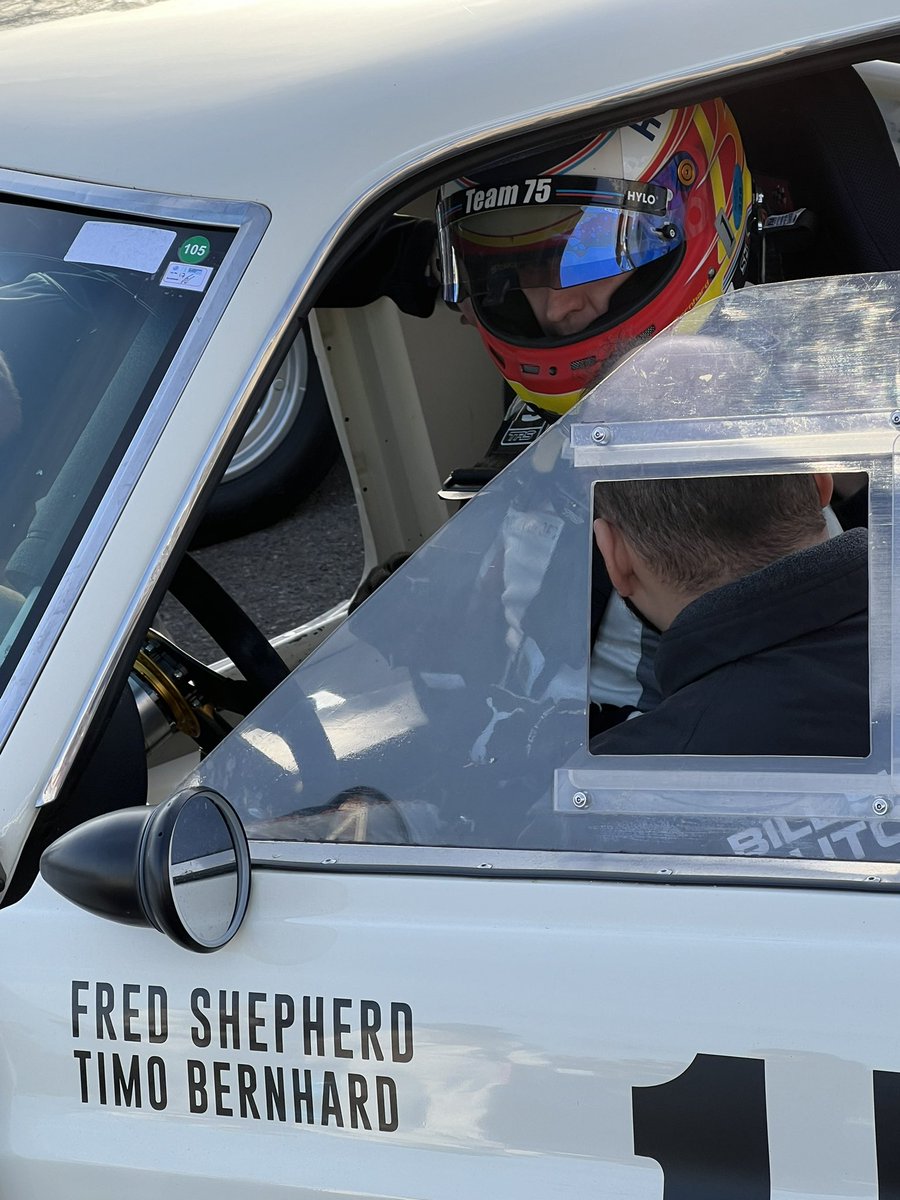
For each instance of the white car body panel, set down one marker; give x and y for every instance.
(538, 1002)
(601, 989)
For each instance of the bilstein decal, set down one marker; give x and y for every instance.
(259, 1056)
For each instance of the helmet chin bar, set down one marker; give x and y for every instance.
(552, 374)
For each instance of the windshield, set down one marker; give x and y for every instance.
(92, 310)
(452, 708)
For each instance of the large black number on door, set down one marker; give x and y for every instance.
(707, 1129)
(886, 1097)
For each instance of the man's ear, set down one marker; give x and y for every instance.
(616, 555)
(825, 487)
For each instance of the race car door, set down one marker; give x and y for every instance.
(479, 959)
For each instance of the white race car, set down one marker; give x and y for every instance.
(421, 941)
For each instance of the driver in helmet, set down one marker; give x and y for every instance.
(566, 261)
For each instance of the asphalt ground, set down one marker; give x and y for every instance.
(286, 574)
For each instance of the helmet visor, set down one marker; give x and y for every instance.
(577, 231)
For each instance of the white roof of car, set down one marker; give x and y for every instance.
(300, 104)
(310, 108)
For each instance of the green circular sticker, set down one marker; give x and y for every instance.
(193, 249)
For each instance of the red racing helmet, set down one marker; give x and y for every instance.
(660, 206)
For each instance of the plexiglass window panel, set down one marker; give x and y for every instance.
(93, 307)
(451, 709)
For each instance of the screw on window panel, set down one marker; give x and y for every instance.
(664, 871)
(486, 866)
(580, 800)
(895, 418)
(873, 879)
(327, 862)
(601, 435)
(880, 806)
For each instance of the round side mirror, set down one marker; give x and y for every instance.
(195, 870)
(183, 867)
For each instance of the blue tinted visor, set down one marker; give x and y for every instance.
(585, 230)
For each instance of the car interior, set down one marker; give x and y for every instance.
(816, 141)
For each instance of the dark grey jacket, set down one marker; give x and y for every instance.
(774, 663)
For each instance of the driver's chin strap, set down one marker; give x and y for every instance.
(228, 625)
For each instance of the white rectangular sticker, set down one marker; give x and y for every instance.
(188, 276)
(108, 244)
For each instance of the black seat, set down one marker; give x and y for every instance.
(824, 135)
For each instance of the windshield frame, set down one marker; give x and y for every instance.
(248, 222)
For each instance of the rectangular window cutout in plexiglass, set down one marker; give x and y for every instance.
(760, 724)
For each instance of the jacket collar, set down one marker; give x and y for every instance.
(809, 590)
